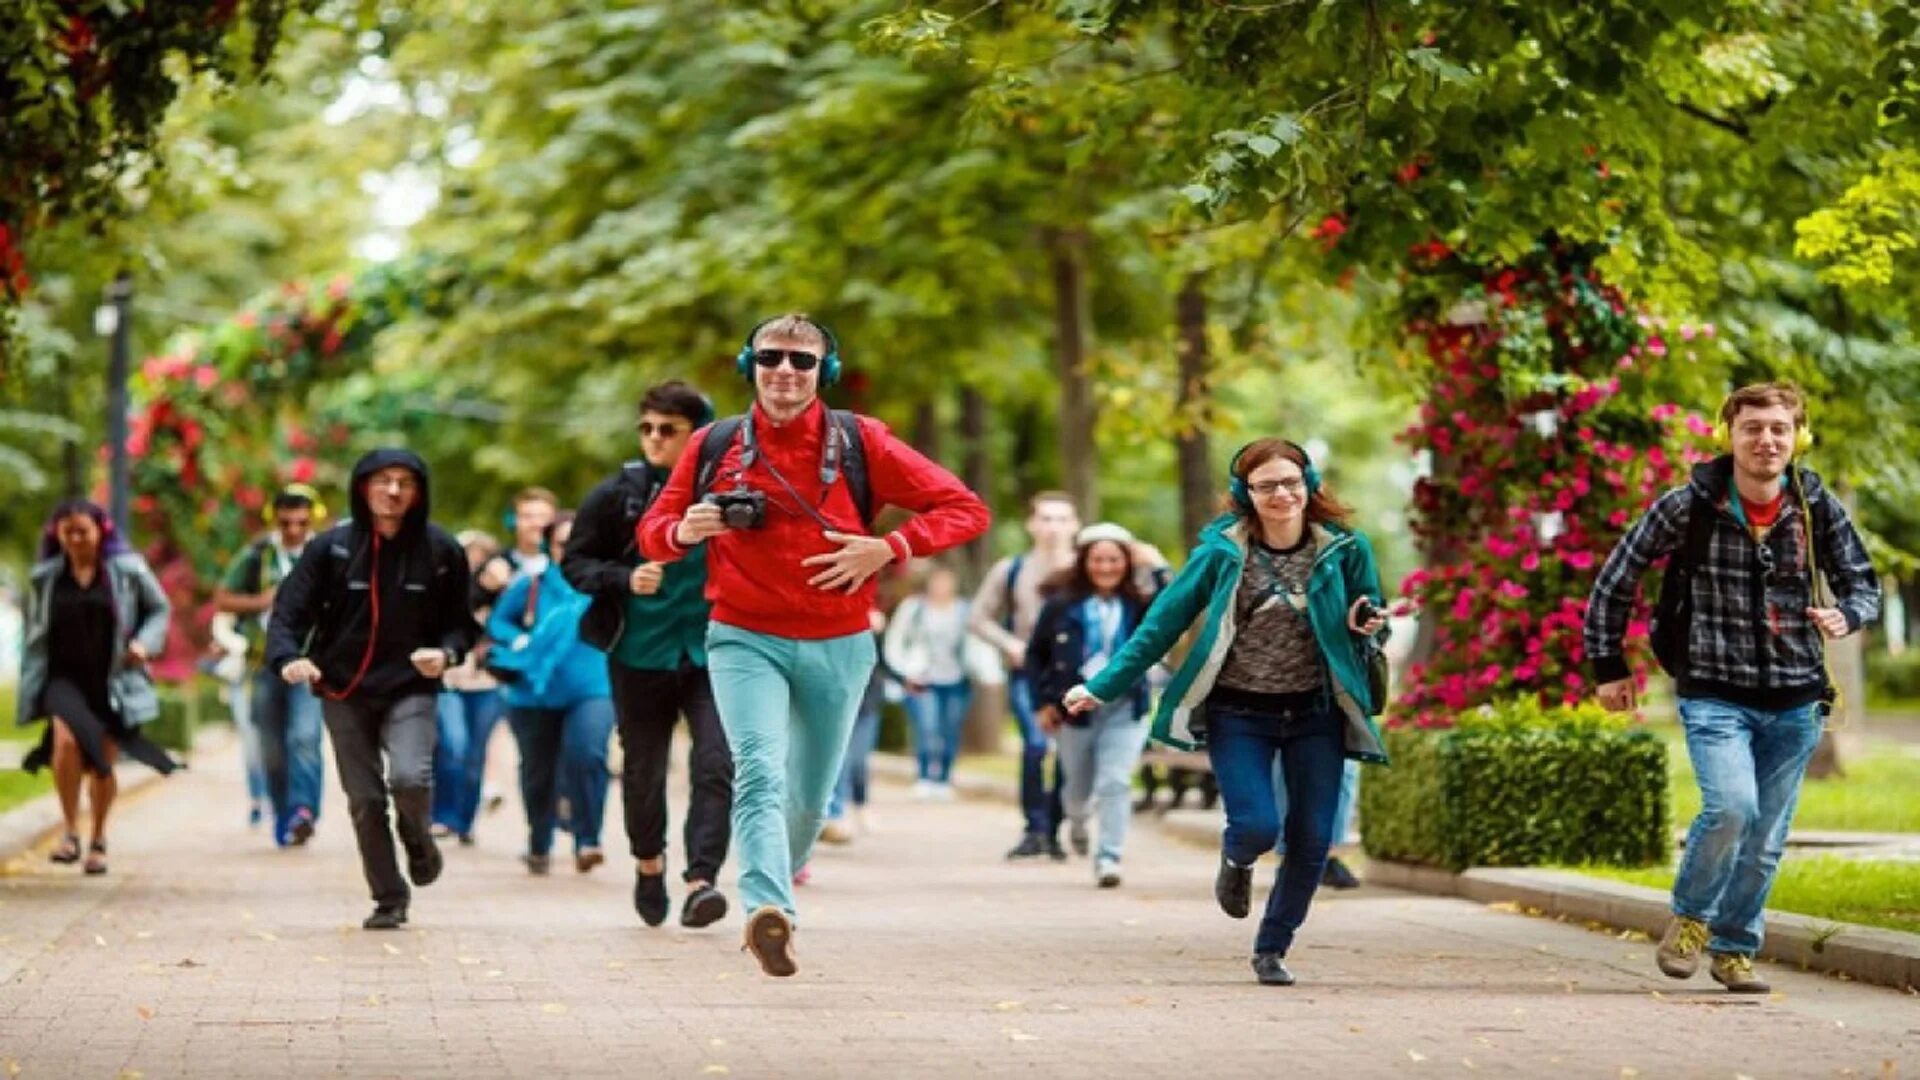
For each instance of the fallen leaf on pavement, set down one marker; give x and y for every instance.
(100, 941)
(145, 1012)
(469, 961)
(553, 1008)
(714, 1070)
(1016, 1035)
(391, 951)
(373, 999)
(264, 936)
(1006, 1006)
(1416, 1056)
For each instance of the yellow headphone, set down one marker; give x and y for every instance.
(305, 491)
(1802, 437)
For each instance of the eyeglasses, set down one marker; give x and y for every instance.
(648, 429)
(1266, 489)
(801, 359)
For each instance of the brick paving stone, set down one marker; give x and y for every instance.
(205, 953)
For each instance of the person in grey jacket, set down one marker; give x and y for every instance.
(95, 616)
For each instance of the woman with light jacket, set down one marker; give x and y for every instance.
(926, 645)
(95, 616)
(1090, 611)
(1281, 597)
(560, 706)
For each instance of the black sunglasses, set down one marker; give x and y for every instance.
(801, 359)
(667, 431)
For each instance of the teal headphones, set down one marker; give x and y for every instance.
(829, 364)
(1237, 485)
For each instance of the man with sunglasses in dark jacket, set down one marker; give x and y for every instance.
(372, 615)
(651, 620)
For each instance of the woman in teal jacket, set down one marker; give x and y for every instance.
(560, 707)
(1281, 600)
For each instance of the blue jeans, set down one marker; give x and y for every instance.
(1101, 756)
(1342, 815)
(1040, 804)
(563, 755)
(466, 719)
(240, 699)
(852, 788)
(788, 706)
(1749, 764)
(939, 713)
(292, 747)
(1243, 748)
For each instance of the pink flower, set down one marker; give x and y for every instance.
(205, 377)
(1580, 560)
(1530, 562)
(1656, 346)
(1665, 412)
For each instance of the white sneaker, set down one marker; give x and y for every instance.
(862, 822)
(923, 790)
(1107, 872)
(943, 793)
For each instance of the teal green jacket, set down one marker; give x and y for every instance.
(1200, 601)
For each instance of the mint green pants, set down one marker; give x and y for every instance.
(788, 707)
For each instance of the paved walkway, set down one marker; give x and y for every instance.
(207, 954)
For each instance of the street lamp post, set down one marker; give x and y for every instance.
(114, 320)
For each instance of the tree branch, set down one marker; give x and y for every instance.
(1724, 123)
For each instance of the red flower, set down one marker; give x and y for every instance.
(1329, 231)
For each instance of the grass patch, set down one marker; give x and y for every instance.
(17, 787)
(1880, 793)
(1873, 893)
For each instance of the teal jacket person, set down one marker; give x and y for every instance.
(1200, 602)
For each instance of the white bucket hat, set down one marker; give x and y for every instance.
(1104, 530)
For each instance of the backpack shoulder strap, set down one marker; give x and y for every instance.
(1697, 542)
(854, 465)
(1013, 575)
(713, 446)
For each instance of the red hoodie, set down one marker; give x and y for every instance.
(755, 579)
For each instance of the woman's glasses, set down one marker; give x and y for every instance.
(1266, 488)
(801, 359)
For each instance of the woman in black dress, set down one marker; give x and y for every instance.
(95, 615)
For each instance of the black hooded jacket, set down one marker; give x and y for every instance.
(326, 608)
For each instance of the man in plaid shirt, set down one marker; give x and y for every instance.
(1750, 668)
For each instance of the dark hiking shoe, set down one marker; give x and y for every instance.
(650, 897)
(424, 865)
(1271, 970)
(705, 906)
(1031, 846)
(537, 865)
(1055, 851)
(1233, 887)
(770, 940)
(386, 917)
(1735, 972)
(1338, 876)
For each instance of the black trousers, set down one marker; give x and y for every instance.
(402, 729)
(648, 704)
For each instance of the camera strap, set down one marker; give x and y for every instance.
(829, 468)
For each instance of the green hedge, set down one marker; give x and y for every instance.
(1893, 678)
(1520, 785)
(184, 708)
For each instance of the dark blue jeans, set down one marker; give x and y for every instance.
(289, 725)
(1041, 806)
(563, 755)
(1243, 748)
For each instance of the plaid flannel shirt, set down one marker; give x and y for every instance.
(1750, 636)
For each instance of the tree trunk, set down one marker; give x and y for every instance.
(976, 468)
(1072, 319)
(926, 429)
(1195, 403)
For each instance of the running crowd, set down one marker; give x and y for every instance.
(730, 578)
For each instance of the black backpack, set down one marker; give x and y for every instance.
(1673, 612)
(853, 467)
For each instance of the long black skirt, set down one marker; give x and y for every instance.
(92, 723)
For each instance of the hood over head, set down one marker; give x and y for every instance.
(386, 457)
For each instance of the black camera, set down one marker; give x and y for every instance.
(740, 509)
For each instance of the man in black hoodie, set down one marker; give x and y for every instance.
(371, 616)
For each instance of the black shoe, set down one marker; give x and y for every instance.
(466, 839)
(386, 917)
(650, 897)
(1032, 845)
(1337, 876)
(1271, 970)
(424, 865)
(1233, 887)
(1055, 851)
(301, 830)
(705, 906)
(537, 865)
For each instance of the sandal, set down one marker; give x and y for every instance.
(97, 857)
(68, 850)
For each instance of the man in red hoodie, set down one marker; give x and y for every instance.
(789, 649)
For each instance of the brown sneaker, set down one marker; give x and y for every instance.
(1735, 972)
(770, 940)
(1679, 951)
